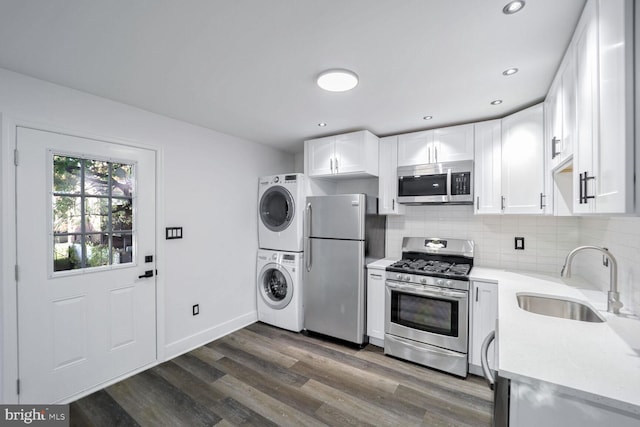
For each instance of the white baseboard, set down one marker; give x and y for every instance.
(194, 341)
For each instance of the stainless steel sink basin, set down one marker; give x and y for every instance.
(558, 307)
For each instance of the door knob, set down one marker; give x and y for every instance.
(148, 273)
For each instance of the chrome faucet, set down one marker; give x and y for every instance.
(613, 296)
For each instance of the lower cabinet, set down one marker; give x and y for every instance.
(540, 404)
(484, 313)
(375, 305)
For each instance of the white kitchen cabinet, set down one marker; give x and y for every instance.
(484, 313)
(448, 144)
(375, 304)
(488, 167)
(388, 177)
(415, 148)
(350, 155)
(604, 149)
(523, 189)
(534, 404)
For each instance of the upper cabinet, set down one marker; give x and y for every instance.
(388, 177)
(488, 167)
(523, 162)
(436, 146)
(604, 152)
(352, 154)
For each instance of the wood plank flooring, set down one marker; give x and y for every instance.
(265, 376)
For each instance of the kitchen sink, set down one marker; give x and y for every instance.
(558, 307)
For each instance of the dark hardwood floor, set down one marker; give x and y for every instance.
(263, 376)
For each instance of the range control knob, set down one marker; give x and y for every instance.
(407, 278)
(423, 280)
(448, 283)
(440, 282)
(399, 276)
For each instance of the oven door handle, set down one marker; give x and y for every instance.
(426, 291)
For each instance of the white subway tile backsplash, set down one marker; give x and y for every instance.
(493, 235)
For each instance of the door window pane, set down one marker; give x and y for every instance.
(67, 175)
(92, 213)
(67, 214)
(96, 177)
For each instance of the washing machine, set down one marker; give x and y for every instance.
(281, 200)
(280, 289)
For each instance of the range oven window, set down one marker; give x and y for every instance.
(430, 314)
(423, 185)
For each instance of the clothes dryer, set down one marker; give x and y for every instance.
(280, 289)
(281, 200)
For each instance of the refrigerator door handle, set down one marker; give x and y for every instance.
(307, 238)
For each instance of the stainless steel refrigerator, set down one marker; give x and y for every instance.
(343, 233)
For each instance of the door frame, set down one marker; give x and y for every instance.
(9, 351)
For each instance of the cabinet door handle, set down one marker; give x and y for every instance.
(429, 155)
(331, 163)
(435, 150)
(502, 203)
(336, 165)
(393, 204)
(477, 203)
(586, 188)
(476, 294)
(542, 204)
(581, 199)
(554, 143)
(377, 276)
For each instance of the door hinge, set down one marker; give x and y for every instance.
(15, 156)
(16, 271)
(18, 386)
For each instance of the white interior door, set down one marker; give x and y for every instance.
(85, 235)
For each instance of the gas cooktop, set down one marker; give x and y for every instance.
(431, 268)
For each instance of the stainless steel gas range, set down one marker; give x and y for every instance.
(427, 303)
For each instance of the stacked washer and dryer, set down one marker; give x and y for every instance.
(281, 202)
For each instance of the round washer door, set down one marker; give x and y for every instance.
(275, 286)
(276, 208)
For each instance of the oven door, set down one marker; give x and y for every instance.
(427, 314)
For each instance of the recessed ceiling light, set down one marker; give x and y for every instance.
(427, 118)
(337, 80)
(510, 71)
(513, 7)
(322, 124)
(496, 102)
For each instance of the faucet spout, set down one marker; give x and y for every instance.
(613, 296)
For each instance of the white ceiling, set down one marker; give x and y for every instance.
(248, 67)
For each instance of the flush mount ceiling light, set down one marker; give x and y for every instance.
(509, 71)
(427, 118)
(496, 102)
(337, 80)
(513, 7)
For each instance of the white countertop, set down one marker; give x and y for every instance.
(382, 263)
(599, 362)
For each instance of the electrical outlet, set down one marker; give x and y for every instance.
(519, 243)
(196, 309)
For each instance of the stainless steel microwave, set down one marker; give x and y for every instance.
(450, 182)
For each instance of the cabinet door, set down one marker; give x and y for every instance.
(415, 148)
(613, 146)
(388, 177)
(568, 105)
(488, 167)
(375, 306)
(553, 123)
(586, 46)
(523, 162)
(453, 143)
(319, 155)
(484, 313)
(350, 153)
